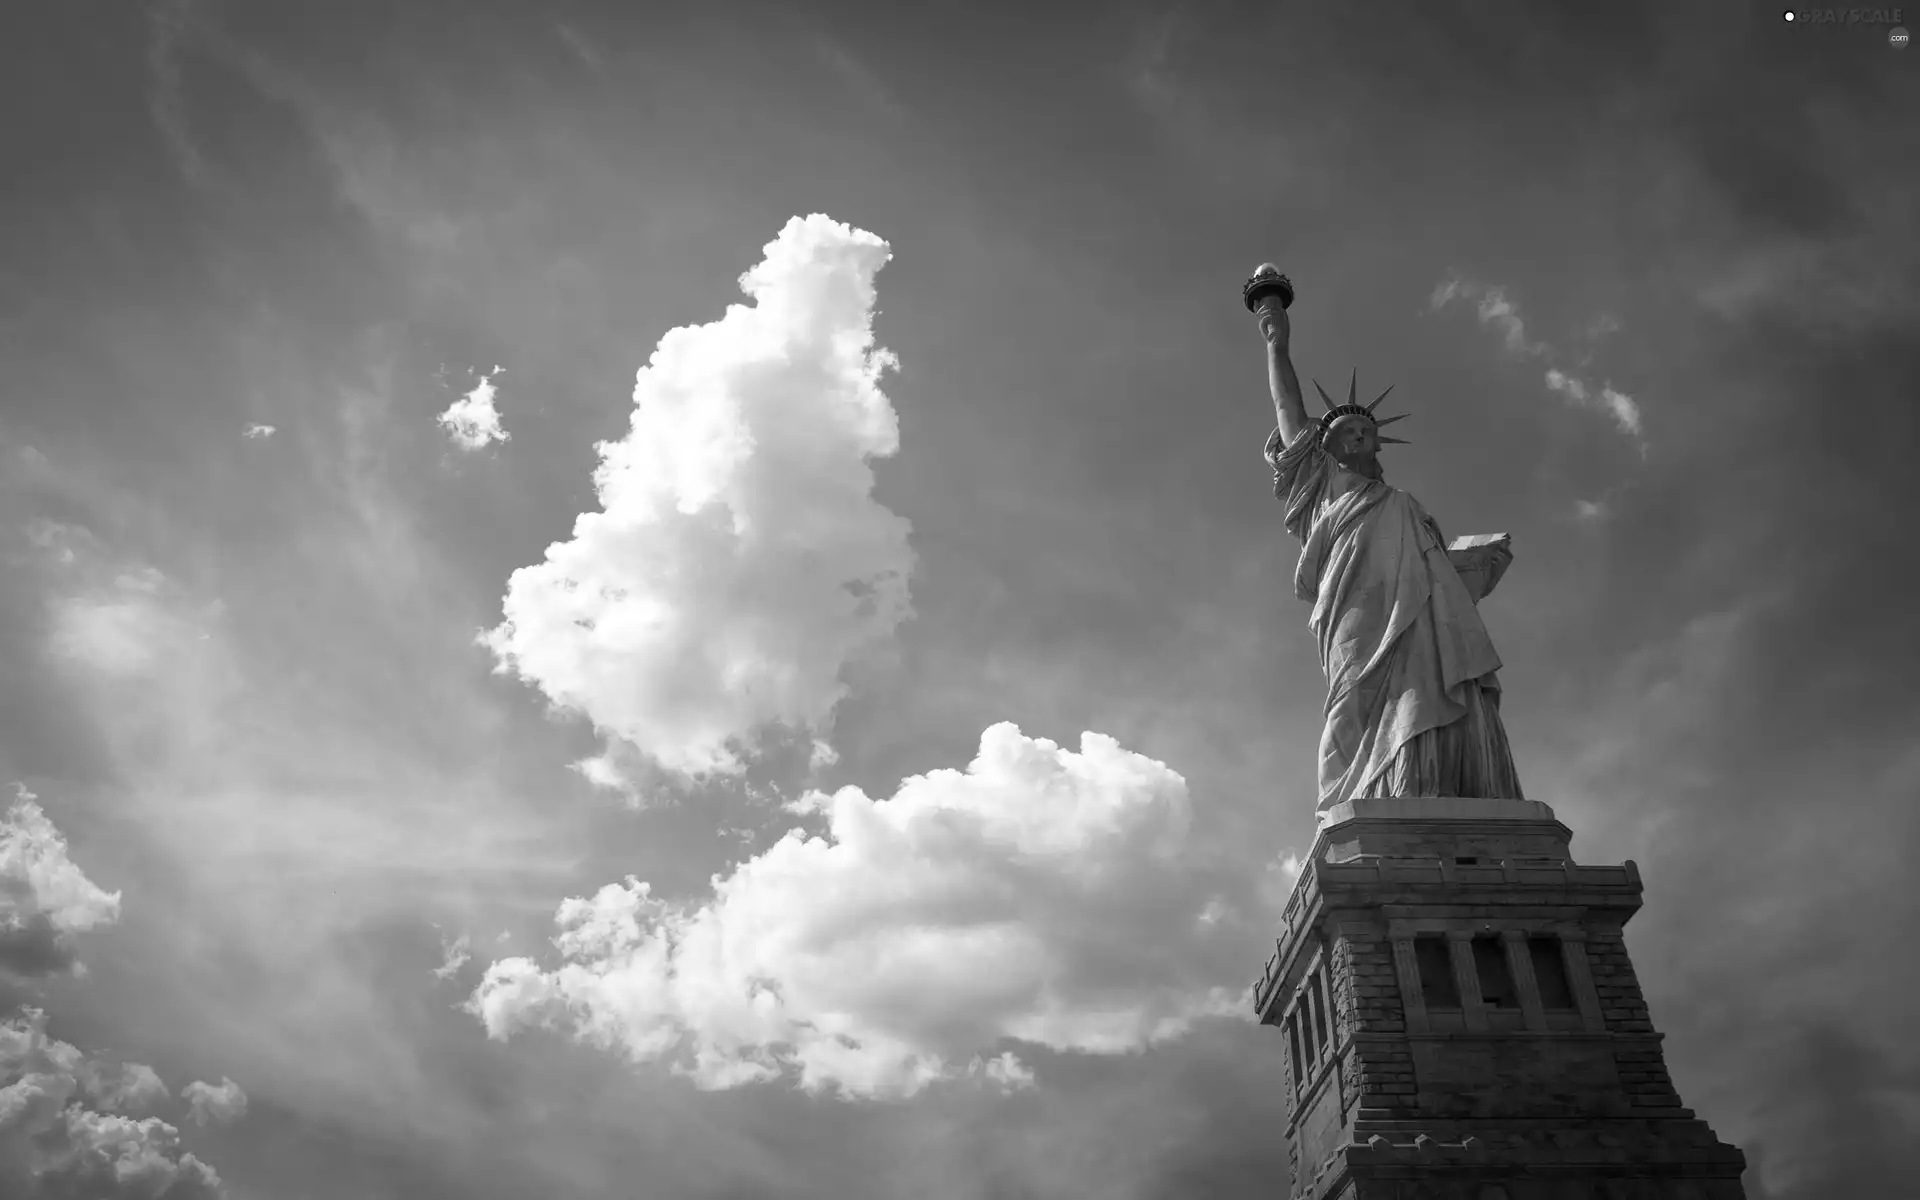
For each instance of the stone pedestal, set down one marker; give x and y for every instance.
(1460, 1020)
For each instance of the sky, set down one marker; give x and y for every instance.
(612, 600)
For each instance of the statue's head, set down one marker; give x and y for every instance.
(1351, 433)
(1354, 442)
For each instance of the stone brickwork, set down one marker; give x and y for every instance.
(1621, 1002)
(1364, 981)
(1562, 1165)
(1378, 1071)
(1535, 1073)
(1643, 1068)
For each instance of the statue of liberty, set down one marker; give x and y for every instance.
(1413, 693)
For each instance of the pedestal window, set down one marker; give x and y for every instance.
(1437, 985)
(1497, 988)
(1550, 973)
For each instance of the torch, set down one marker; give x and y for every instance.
(1265, 281)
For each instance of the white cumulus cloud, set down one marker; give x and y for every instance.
(257, 431)
(71, 1125)
(215, 1104)
(472, 421)
(61, 1136)
(44, 897)
(132, 1089)
(1043, 896)
(738, 560)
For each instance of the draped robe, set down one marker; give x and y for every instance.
(1413, 694)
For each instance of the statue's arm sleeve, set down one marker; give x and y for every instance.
(1300, 473)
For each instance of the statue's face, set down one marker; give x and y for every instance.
(1355, 445)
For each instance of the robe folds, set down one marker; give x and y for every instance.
(1413, 691)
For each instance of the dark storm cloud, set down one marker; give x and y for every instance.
(1827, 1087)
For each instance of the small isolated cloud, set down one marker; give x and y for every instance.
(1604, 326)
(1043, 896)
(742, 834)
(44, 897)
(454, 954)
(215, 1105)
(1007, 1071)
(472, 421)
(257, 431)
(821, 756)
(1625, 413)
(738, 560)
(1623, 408)
(603, 771)
(60, 1133)
(1590, 510)
(623, 768)
(1501, 314)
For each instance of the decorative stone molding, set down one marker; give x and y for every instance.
(1466, 977)
(1573, 954)
(1520, 966)
(1406, 968)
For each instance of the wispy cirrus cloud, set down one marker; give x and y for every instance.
(113, 619)
(1625, 413)
(1499, 313)
(455, 954)
(860, 80)
(1495, 311)
(169, 25)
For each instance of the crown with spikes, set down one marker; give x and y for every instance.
(1354, 409)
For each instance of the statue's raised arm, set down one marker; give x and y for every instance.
(1268, 294)
(1413, 692)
